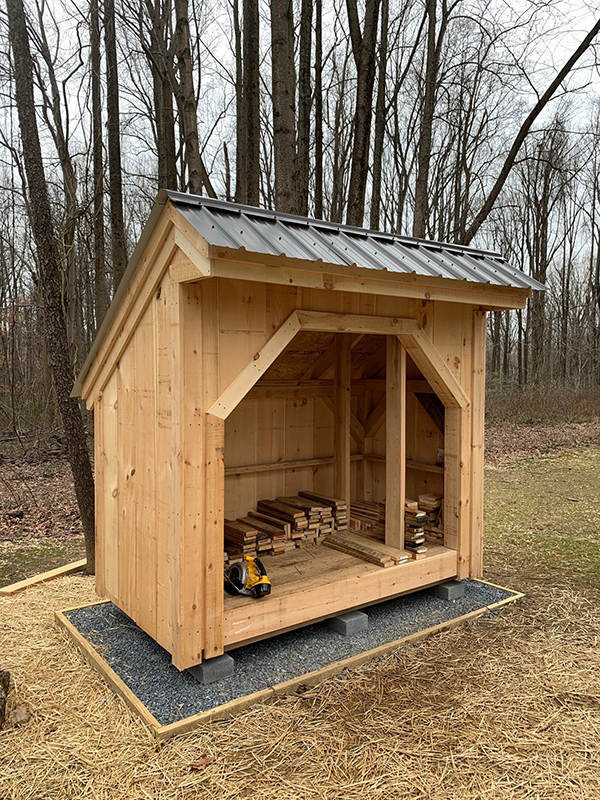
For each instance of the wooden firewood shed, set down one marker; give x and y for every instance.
(250, 354)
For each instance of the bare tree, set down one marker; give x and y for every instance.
(541, 104)
(284, 104)
(101, 289)
(50, 273)
(115, 181)
(364, 43)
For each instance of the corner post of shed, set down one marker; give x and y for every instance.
(198, 446)
(395, 415)
(477, 441)
(342, 406)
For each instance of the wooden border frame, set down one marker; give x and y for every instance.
(270, 693)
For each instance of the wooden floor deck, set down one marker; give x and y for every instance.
(313, 583)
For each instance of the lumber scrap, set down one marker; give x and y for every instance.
(344, 545)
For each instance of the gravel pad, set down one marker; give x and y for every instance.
(171, 695)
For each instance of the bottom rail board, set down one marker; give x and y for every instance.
(268, 693)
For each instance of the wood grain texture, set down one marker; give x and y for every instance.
(395, 477)
(341, 401)
(477, 442)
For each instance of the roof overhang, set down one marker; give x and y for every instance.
(240, 263)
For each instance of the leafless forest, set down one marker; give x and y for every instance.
(459, 120)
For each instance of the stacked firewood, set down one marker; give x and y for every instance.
(280, 525)
(414, 535)
(369, 518)
(432, 505)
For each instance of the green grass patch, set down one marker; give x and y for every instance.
(25, 559)
(542, 517)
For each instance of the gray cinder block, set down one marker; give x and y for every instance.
(451, 590)
(213, 669)
(350, 623)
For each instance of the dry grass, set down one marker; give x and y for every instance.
(506, 707)
(549, 402)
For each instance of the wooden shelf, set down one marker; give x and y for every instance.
(313, 583)
(418, 466)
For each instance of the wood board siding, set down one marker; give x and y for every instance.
(159, 528)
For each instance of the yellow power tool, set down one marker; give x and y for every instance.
(247, 577)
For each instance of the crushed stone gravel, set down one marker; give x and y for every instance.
(171, 695)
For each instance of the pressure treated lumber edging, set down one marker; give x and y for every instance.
(270, 693)
(43, 577)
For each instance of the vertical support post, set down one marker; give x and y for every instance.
(341, 400)
(395, 460)
(457, 509)
(188, 476)
(99, 480)
(214, 471)
(477, 442)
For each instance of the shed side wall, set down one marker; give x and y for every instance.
(133, 476)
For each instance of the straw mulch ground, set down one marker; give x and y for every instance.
(508, 707)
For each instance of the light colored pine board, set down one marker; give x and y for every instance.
(127, 443)
(108, 493)
(194, 267)
(316, 595)
(211, 528)
(99, 494)
(292, 273)
(354, 323)
(477, 442)
(244, 381)
(395, 477)
(375, 419)
(188, 476)
(138, 295)
(163, 433)
(357, 430)
(43, 577)
(425, 355)
(144, 480)
(341, 444)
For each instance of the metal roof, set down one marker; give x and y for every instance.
(257, 230)
(272, 233)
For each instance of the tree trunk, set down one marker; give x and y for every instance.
(187, 107)
(426, 135)
(100, 287)
(284, 104)
(251, 94)
(240, 121)
(319, 109)
(163, 102)
(49, 274)
(363, 49)
(380, 120)
(115, 183)
(304, 103)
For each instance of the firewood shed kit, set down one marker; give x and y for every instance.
(251, 355)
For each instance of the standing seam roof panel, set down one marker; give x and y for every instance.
(271, 233)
